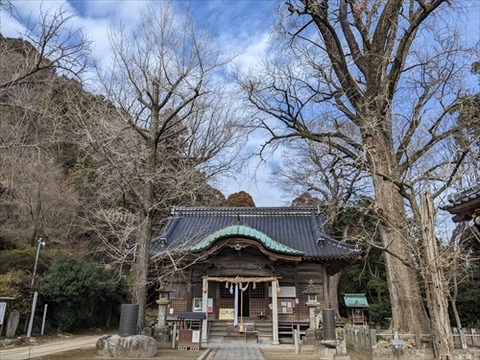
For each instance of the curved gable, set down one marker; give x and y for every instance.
(245, 231)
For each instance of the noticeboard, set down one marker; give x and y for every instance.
(226, 314)
(3, 308)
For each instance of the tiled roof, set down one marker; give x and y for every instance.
(463, 203)
(355, 300)
(248, 232)
(300, 229)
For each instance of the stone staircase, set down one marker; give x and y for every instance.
(286, 330)
(217, 330)
(265, 332)
(221, 331)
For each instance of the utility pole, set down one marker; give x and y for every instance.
(40, 243)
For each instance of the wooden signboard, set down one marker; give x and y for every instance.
(226, 314)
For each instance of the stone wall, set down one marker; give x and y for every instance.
(365, 344)
(409, 354)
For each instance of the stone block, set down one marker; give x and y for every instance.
(135, 346)
(12, 324)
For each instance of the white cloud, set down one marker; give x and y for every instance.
(242, 30)
(9, 27)
(254, 52)
(254, 179)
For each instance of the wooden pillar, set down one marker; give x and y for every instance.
(275, 340)
(189, 306)
(205, 309)
(296, 310)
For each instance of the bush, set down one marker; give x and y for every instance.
(81, 295)
(23, 259)
(16, 284)
(380, 314)
(467, 301)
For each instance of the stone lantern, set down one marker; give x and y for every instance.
(312, 292)
(162, 302)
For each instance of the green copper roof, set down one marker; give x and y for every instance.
(246, 231)
(355, 300)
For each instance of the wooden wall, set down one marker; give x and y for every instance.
(291, 275)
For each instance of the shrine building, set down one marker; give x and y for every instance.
(246, 265)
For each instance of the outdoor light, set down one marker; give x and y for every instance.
(164, 291)
(162, 302)
(312, 292)
(476, 218)
(476, 221)
(40, 243)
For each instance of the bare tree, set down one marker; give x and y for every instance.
(322, 177)
(158, 136)
(358, 77)
(310, 167)
(30, 67)
(38, 199)
(48, 45)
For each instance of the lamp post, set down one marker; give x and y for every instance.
(40, 243)
(161, 331)
(312, 292)
(162, 302)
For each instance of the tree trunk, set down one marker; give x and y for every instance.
(333, 293)
(407, 309)
(141, 269)
(458, 322)
(145, 226)
(453, 297)
(432, 271)
(408, 312)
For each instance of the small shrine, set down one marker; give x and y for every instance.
(356, 305)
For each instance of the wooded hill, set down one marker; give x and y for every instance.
(55, 182)
(97, 177)
(53, 185)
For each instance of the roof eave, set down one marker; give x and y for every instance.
(243, 242)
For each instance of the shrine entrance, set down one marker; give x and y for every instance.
(232, 298)
(242, 291)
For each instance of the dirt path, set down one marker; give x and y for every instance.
(37, 351)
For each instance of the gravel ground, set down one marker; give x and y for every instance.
(172, 354)
(85, 354)
(268, 354)
(83, 348)
(272, 353)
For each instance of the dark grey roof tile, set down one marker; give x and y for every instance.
(300, 228)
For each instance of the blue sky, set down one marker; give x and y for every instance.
(242, 25)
